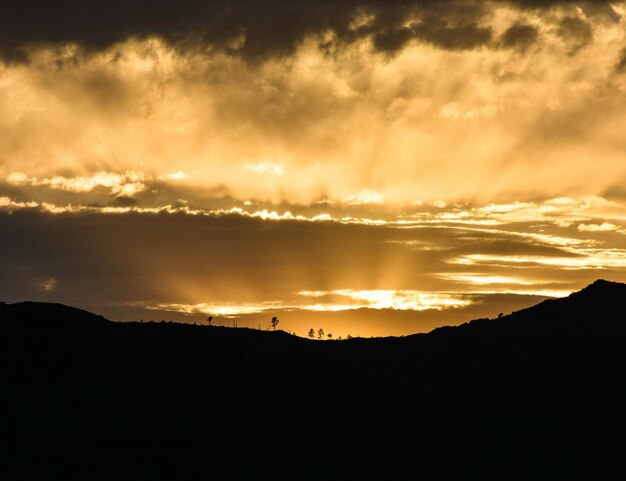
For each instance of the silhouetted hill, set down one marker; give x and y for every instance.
(597, 310)
(537, 394)
(47, 312)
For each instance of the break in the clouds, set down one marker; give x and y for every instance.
(430, 160)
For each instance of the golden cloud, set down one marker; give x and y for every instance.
(333, 119)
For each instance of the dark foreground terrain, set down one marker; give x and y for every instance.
(536, 395)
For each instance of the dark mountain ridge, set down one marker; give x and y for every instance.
(597, 310)
(536, 394)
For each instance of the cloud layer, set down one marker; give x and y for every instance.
(440, 265)
(463, 100)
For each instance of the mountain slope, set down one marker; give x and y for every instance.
(597, 310)
(537, 394)
(57, 314)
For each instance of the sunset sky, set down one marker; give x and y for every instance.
(371, 168)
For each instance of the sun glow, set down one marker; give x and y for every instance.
(226, 309)
(330, 301)
(391, 299)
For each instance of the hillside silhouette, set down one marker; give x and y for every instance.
(536, 394)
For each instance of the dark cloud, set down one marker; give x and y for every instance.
(601, 10)
(270, 27)
(519, 36)
(456, 37)
(393, 40)
(595, 4)
(620, 67)
(576, 32)
(142, 252)
(435, 32)
(450, 25)
(125, 201)
(126, 257)
(130, 256)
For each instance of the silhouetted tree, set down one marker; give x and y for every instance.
(209, 319)
(320, 333)
(275, 321)
(330, 335)
(311, 333)
(500, 315)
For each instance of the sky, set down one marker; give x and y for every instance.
(370, 168)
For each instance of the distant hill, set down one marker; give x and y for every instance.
(536, 394)
(57, 314)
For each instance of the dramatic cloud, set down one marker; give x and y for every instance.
(519, 35)
(333, 119)
(427, 160)
(257, 29)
